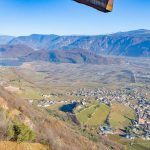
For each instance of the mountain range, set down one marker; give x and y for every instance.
(76, 49)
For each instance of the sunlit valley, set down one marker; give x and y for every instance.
(74, 75)
(54, 97)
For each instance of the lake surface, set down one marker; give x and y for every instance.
(68, 107)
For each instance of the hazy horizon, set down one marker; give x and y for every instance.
(73, 34)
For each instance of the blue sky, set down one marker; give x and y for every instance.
(65, 17)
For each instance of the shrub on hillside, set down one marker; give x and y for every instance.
(21, 133)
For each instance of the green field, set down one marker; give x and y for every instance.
(99, 116)
(120, 116)
(83, 115)
(93, 115)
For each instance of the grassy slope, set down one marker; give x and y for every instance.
(21, 146)
(83, 115)
(120, 116)
(93, 115)
(27, 88)
(99, 116)
(58, 134)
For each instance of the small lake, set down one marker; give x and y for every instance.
(68, 107)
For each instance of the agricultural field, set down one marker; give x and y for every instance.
(120, 116)
(86, 113)
(93, 115)
(99, 116)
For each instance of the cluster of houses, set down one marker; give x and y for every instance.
(134, 98)
(47, 103)
(50, 95)
(104, 130)
(142, 122)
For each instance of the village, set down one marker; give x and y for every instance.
(133, 98)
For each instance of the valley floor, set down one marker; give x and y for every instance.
(110, 96)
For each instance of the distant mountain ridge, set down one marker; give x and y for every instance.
(14, 51)
(71, 56)
(133, 43)
(4, 39)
